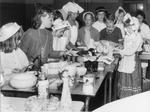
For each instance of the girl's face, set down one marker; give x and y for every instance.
(47, 20)
(100, 16)
(140, 18)
(73, 15)
(121, 16)
(110, 25)
(88, 20)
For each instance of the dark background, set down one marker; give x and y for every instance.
(21, 11)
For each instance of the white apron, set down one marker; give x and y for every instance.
(74, 34)
(16, 59)
(59, 44)
(132, 43)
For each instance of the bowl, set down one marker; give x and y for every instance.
(23, 80)
(81, 71)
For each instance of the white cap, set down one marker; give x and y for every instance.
(59, 24)
(72, 7)
(79, 8)
(117, 11)
(8, 30)
(133, 21)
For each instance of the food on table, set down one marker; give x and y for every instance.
(23, 80)
(81, 70)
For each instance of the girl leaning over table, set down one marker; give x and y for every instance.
(11, 56)
(38, 40)
(129, 67)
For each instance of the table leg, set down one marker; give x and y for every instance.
(110, 86)
(87, 100)
(105, 91)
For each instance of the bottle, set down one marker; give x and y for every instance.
(66, 101)
(42, 87)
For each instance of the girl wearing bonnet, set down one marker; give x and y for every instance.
(72, 9)
(12, 57)
(119, 15)
(88, 35)
(101, 16)
(60, 39)
(129, 66)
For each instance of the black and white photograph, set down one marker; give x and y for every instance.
(74, 55)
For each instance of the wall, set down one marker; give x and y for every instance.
(147, 10)
(20, 11)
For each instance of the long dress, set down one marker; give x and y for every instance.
(129, 81)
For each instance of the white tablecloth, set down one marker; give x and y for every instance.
(135, 103)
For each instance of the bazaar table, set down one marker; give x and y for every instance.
(77, 89)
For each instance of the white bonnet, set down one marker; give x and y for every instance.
(72, 7)
(8, 30)
(117, 11)
(132, 21)
(89, 12)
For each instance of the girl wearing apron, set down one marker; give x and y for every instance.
(12, 57)
(129, 66)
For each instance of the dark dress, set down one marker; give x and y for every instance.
(114, 36)
(34, 39)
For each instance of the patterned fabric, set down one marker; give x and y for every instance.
(130, 84)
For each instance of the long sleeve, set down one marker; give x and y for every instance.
(79, 39)
(26, 43)
(132, 46)
(102, 35)
(119, 34)
(95, 35)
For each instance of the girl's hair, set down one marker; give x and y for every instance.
(12, 43)
(90, 13)
(121, 11)
(139, 12)
(110, 17)
(41, 12)
(57, 14)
